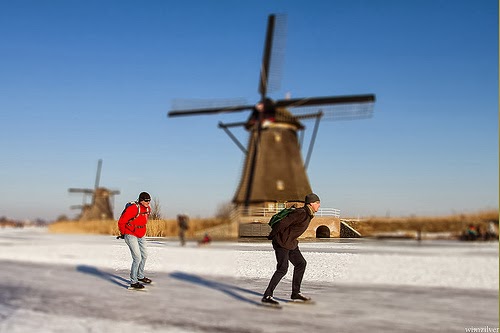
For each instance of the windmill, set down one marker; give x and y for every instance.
(274, 171)
(101, 207)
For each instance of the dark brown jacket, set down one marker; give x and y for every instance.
(291, 227)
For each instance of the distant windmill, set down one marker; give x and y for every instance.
(101, 207)
(274, 171)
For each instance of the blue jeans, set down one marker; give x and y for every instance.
(139, 254)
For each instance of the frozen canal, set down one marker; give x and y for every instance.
(77, 283)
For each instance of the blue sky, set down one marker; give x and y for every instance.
(88, 80)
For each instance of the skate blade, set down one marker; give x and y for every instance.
(274, 306)
(298, 301)
(136, 289)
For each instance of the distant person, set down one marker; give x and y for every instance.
(205, 240)
(284, 237)
(183, 223)
(132, 225)
(479, 231)
(471, 232)
(491, 233)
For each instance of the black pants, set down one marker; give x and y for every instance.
(282, 257)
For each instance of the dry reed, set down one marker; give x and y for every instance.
(453, 223)
(370, 226)
(155, 228)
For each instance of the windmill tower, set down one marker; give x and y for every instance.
(101, 207)
(274, 172)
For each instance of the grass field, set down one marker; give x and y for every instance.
(455, 224)
(155, 228)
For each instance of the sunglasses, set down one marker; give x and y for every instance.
(146, 200)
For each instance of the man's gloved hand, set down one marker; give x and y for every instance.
(121, 236)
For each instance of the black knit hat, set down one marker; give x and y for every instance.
(310, 198)
(144, 196)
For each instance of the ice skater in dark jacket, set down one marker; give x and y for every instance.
(286, 247)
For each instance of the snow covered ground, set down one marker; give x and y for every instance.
(77, 283)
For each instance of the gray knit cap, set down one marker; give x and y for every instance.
(310, 198)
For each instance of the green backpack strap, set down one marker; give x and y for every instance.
(276, 218)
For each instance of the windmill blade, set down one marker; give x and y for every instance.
(270, 77)
(114, 192)
(264, 70)
(81, 190)
(348, 111)
(309, 115)
(206, 111)
(333, 107)
(272, 58)
(316, 101)
(184, 104)
(189, 107)
(337, 112)
(98, 174)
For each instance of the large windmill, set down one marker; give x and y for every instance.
(101, 207)
(274, 171)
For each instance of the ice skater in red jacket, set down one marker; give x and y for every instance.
(132, 225)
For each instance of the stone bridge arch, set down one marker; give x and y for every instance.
(322, 232)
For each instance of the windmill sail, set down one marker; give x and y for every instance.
(100, 208)
(273, 169)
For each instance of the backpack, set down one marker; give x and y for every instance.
(280, 216)
(127, 205)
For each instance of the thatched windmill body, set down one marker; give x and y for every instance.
(274, 171)
(101, 206)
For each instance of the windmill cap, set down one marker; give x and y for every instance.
(144, 195)
(310, 198)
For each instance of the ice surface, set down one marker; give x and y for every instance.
(77, 283)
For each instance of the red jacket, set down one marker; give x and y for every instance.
(128, 224)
